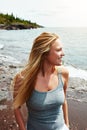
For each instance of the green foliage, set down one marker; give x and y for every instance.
(7, 19)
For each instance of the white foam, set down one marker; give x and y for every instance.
(10, 59)
(76, 72)
(1, 46)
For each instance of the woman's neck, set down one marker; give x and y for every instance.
(47, 69)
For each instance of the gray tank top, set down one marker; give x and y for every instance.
(45, 109)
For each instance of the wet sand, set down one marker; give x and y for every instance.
(77, 109)
(77, 115)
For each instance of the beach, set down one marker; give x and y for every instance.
(76, 96)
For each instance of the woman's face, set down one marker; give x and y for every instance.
(56, 53)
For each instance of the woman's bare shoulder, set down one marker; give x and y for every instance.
(64, 71)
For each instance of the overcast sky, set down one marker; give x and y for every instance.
(49, 13)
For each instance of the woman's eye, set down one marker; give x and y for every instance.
(58, 50)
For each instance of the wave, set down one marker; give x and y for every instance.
(8, 59)
(76, 72)
(1, 46)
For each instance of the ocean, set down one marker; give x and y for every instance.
(15, 46)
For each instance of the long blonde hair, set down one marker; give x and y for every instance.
(40, 48)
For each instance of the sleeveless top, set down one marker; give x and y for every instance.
(45, 109)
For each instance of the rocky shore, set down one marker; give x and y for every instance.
(76, 96)
(16, 26)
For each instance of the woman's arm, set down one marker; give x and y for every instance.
(17, 111)
(65, 111)
(19, 119)
(65, 105)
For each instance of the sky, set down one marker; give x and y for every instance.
(48, 13)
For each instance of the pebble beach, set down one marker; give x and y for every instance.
(76, 97)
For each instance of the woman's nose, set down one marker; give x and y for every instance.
(63, 53)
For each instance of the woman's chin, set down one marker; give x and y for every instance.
(59, 64)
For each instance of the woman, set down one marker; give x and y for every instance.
(42, 86)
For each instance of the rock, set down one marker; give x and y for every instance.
(16, 26)
(12, 66)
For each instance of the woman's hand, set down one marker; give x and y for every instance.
(19, 119)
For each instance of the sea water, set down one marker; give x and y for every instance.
(16, 44)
